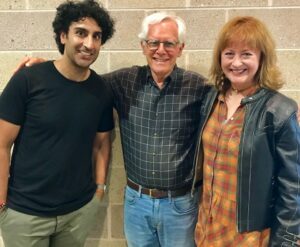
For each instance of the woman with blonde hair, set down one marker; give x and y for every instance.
(249, 145)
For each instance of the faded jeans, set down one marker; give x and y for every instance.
(163, 222)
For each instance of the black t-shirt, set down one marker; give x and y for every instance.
(51, 168)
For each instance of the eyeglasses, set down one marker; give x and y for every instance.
(154, 44)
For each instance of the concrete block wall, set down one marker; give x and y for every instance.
(25, 27)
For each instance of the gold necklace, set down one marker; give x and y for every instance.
(236, 91)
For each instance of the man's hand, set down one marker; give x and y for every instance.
(28, 61)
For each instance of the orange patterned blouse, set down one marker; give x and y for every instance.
(216, 226)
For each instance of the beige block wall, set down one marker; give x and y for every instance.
(25, 27)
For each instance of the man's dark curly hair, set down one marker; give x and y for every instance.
(71, 11)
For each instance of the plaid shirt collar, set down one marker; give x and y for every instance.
(170, 78)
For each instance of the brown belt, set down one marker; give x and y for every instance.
(158, 194)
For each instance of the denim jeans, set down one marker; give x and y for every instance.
(163, 222)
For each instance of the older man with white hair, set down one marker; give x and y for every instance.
(159, 109)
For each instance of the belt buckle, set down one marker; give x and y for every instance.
(150, 192)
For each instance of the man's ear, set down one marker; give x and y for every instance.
(143, 46)
(181, 47)
(63, 37)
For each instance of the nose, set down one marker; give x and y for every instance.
(89, 42)
(237, 61)
(161, 48)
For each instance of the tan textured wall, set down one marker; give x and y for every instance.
(25, 27)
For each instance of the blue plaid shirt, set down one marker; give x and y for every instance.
(158, 126)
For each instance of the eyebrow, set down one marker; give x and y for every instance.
(86, 30)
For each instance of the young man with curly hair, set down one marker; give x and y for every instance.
(58, 116)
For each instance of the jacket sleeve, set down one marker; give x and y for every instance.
(285, 230)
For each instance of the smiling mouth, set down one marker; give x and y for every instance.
(238, 71)
(86, 55)
(160, 60)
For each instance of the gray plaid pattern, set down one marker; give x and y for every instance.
(158, 127)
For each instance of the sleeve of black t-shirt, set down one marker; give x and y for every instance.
(13, 99)
(104, 93)
(107, 121)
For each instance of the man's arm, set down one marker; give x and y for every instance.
(101, 158)
(8, 134)
(27, 62)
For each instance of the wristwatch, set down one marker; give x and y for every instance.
(101, 187)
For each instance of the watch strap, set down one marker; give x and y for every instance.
(101, 187)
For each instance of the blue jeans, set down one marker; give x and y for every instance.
(163, 222)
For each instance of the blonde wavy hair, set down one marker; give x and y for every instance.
(253, 32)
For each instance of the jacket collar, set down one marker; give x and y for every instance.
(254, 97)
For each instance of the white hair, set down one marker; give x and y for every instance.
(159, 17)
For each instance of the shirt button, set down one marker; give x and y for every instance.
(153, 173)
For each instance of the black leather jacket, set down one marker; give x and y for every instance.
(268, 193)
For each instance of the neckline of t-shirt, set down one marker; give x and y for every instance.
(80, 83)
